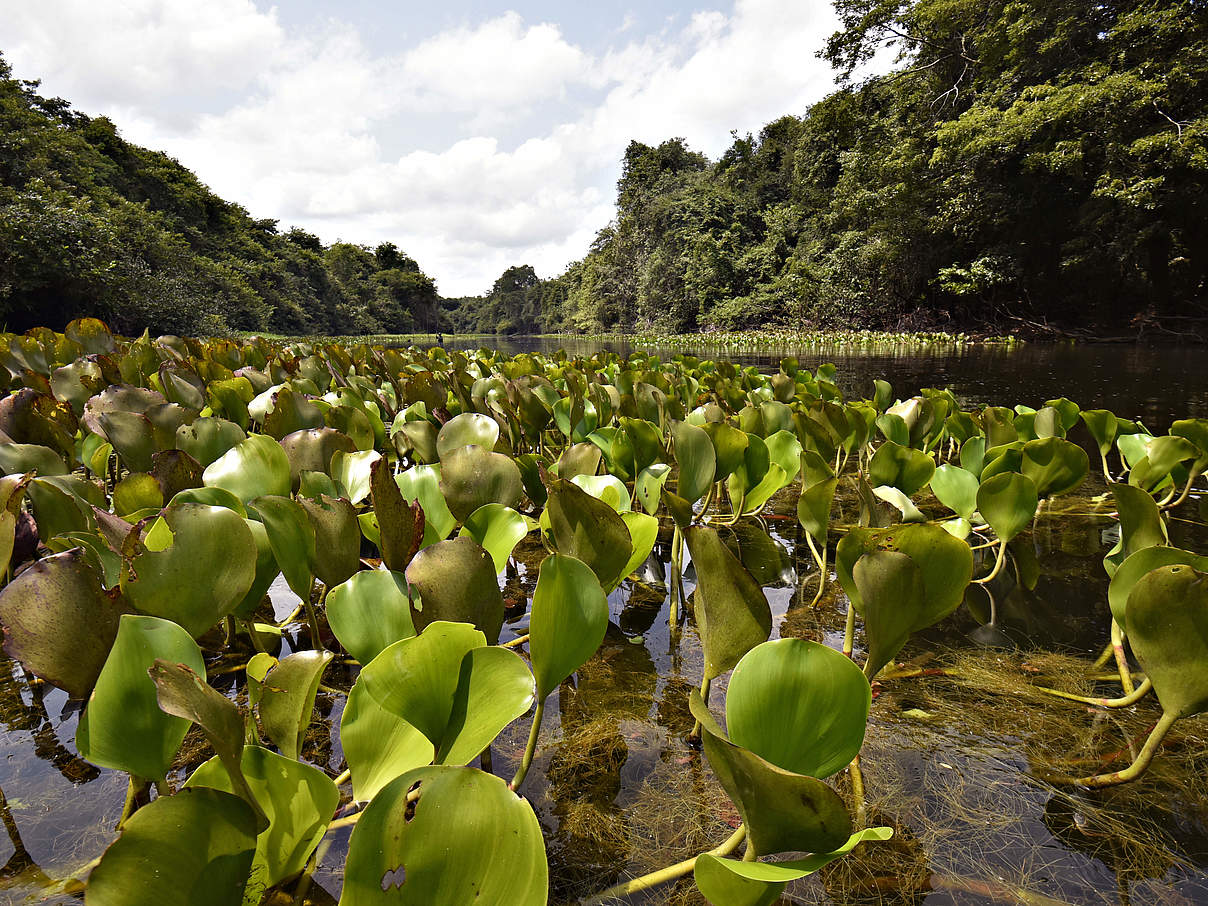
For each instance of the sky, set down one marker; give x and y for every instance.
(474, 135)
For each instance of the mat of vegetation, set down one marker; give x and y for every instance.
(455, 529)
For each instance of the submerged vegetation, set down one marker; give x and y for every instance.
(456, 529)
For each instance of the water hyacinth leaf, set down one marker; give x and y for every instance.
(416, 439)
(465, 429)
(422, 484)
(266, 571)
(182, 693)
(1136, 566)
(378, 744)
(298, 801)
(901, 467)
(63, 503)
(893, 428)
(730, 882)
(800, 705)
(132, 436)
(337, 538)
(473, 476)
(729, 447)
(973, 455)
(59, 622)
(569, 618)
(175, 471)
(369, 612)
(784, 450)
(608, 488)
(1101, 423)
(589, 530)
(1055, 466)
(451, 687)
(193, 849)
(498, 529)
(696, 458)
(783, 811)
(123, 726)
(649, 486)
(1167, 619)
(470, 840)
(946, 563)
(137, 491)
(643, 532)
(732, 614)
(579, 459)
(291, 412)
(892, 593)
(904, 505)
(400, 524)
(956, 489)
(354, 472)
(23, 458)
(1008, 502)
(456, 582)
(252, 468)
(311, 450)
(210, 497)
(1141, 525)
(202, 576)
(287, 698)
(292, 538)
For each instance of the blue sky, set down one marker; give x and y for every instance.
(474, 135)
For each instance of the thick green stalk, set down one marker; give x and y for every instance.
(663, 875)
(1134, 770)
(529, 749)
(1126, 701)
(1002, 557)
(1121, 658)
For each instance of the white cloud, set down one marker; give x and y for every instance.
(321, 132)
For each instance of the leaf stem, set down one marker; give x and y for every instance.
(1134, 770)
(1002, 557)
(663, 875)
(1121, 658)
(530, 748)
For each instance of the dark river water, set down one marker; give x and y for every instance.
(952, 762)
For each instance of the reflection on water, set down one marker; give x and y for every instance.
(950, 756)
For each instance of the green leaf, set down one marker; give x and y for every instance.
(900, 467)
(470, 841)
(1140, 562)
(123, 726)
(193, 849)
(471, 477)
(589, 530)
(337, 552)
(783, 811)
(569, 618)
(1008, 502)
(182, 693)
(378, 744)
(298, 801)
(608, 488)
(354, 472)
(456, 582)
(287, 698)
(400, 524)
(447, 684)
(267, 570)
(1167, 619)
(1055, 466)
(956, 489)
(59, 622)
(498, 529)
(370, 612)
(422, 484)
(202, 576)
(292, 538)
(800, 705)
(696, 458)
(643, 532)
(253, 468)
(1141, 525)
(1102, 425)
(732, 614)
(892, 593)
(467, 428)
(649, 485)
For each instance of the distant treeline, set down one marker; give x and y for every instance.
(1041, 161)
(93, 225)
(1028, 163)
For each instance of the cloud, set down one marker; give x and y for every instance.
(478, 147)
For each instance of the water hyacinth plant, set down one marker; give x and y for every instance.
(453, 532)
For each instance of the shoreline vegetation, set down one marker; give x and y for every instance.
(1030, 169)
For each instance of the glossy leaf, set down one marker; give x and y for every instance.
(697, 460)
(369, 612)
(471, 477)
(467, 428)
(956, 489)
(1008, 502)
(337, 538)
(469, 841)
(123, 726)
(498, 529)
(569, 618)
(588, 530)
(456, 582)
(732, 614)
(378, 744)
(1167, 619)
(292, 538)
(1055, 466)
(252, 468)
(191, 849)
(287, 698)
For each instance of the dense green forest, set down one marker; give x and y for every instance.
(1029, 162)
(93, 225)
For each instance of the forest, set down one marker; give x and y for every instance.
(1024, 165)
